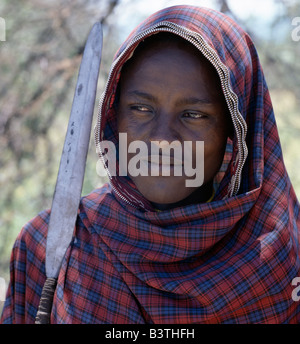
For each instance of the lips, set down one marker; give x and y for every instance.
(162, 160)
(159, 165)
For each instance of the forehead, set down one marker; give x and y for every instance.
(168, 63)
(160, 43)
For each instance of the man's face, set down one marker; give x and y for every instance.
(173, 94)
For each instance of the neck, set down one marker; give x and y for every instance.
(200, 195)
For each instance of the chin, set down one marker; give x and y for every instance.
(163, 190)
(163, 199)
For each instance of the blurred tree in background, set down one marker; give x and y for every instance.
(39, 64)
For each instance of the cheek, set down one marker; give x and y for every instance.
(122, 122)
(127, 125)
(214, 151)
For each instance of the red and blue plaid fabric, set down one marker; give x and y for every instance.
(229, 261)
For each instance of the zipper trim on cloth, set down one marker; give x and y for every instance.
(198, 41)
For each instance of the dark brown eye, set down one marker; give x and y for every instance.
(141, 108)
(194, 115)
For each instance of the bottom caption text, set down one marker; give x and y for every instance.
(151, 333)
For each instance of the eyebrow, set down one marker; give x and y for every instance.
(183, 101)
(142, 95)
(194, 101)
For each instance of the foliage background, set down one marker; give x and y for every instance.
(39, 63)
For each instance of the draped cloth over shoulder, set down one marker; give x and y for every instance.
(232, 260)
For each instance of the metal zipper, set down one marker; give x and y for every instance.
(197, 40)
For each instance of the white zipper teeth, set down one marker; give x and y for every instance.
(197, 40)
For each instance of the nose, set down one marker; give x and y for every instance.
(161, 144)
(165, 130)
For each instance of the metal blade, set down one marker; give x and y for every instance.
(72, 165)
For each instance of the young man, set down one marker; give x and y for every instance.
(152, 248)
